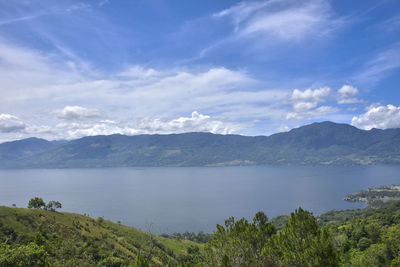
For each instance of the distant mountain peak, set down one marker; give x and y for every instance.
(317, 143)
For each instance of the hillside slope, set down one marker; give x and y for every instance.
(318, 143)
(75, 240)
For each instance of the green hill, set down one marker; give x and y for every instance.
(69, 239)
(325, 143)
(369, 237)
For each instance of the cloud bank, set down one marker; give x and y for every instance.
(10, 124)
(197, 122)
(382, 117)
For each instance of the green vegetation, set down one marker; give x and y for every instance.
(38, 203)
(371, 239)
(39, 237)
(301, 243)
(377, 197)
(200, 237)
(239, 243)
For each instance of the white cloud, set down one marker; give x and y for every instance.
(77, 130)
(309, 95)
(285, 20)
(348, 91)
(33, 80)
(138, 72)
(242, 11)
(78, 6)
(28, 76)
(312, 113)
(77, 113)
(10, 124)
(283, 128)
(305, 104)
(347, 95)
(195, 123)
(382, 117)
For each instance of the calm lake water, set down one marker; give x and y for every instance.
(193, 199)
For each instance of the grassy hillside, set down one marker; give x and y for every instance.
(68, 239)
(369, 237)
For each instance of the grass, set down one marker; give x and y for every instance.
(71, 238)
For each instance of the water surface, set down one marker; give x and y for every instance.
(193, 199)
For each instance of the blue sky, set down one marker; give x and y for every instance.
(74, 68)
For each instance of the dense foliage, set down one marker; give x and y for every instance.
(371, 239)
(301, 243)
(339, 238)
(239, 243)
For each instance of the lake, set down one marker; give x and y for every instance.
(166, 200)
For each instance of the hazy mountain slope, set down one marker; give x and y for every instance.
(24, 148)
(317, 143)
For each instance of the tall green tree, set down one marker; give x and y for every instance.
(36, 203)
(301, 243)
(240, 242)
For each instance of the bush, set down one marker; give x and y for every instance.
(24, 255)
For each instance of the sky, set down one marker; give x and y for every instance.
(70, 69)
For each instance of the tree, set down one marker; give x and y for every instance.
(36, 203)
(239, 243)
(53, 205)
(301, 243)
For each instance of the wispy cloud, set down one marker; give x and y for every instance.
(380, 66)
(265, 25)
(135, 92)
(282, 20)
(19, 19)
(46, 8)
(106, 74)
(392, 24)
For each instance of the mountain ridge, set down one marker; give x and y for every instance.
(325, 143)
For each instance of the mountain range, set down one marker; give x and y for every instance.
(324, 143)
